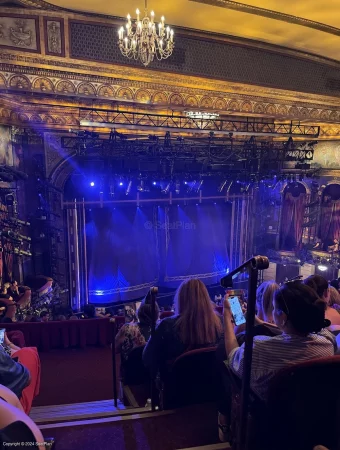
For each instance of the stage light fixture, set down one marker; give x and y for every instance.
(140, 186)
(222, 186)
(322, 268)
(128, 188)
(92, 183)
(121, 183)
(177, 187)
(166, 188)
(154, 183)
(199, 186)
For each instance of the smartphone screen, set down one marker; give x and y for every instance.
(2, 335)
(236, 310)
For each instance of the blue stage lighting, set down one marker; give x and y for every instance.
(154, 183)
(121, 183)
(92, 183)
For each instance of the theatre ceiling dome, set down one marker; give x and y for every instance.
(308, 26)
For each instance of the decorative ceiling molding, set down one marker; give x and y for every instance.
(34, 4)
(133, 93)
(268, 13)
(91, 71)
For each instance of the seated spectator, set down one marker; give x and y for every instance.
(45, 316)
(8, 309)
(17, 427)
(23, 300)
(8, 396)
(320, 286)
(195, 325)
(89, 312)
(23, 376)
(5, 288)
(136, 334)
(13, 375)
(300, 314)
(13, 290)
(334, 299)
(264, 321)
(73, 317)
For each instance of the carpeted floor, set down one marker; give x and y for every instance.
(74, 376)
(189, 427)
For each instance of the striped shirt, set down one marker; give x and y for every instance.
(270, 354)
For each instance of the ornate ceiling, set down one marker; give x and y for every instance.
(309, 26)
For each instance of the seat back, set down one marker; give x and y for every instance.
(191, 379)
(133, 370)
(165, 314)
(304, 405)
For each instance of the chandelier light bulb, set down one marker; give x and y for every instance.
(143, 42)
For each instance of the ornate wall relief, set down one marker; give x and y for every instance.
(6, 153)
(327, 154)
(20, 32)
(54, 36)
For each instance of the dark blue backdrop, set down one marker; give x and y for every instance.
(130, 249)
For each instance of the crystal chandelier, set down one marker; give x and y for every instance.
(144, 40)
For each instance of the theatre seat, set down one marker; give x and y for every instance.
(190, 379)
(133, 370)
(302, 409)
(165, 314)
(305, 400)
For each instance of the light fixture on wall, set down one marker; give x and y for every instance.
(144, 40)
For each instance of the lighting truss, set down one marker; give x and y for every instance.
(102, 118)
(211, 155)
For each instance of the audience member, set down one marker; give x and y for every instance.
(5, 288)
(13, 290)
(16, 427)
(264, 321)
(13, 375)
(300, 314)
(195, 325)
(334, 298)
(8, 309)
(45, 316)
(320, 286)
(89, 312)
(23, 300)
(136, 334)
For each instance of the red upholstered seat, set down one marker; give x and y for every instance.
(191, 379)
(165, 314)
(219, 309)
(303, 408)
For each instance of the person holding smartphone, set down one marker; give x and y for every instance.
(300, 314)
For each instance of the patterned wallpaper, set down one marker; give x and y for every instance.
(94, 41)
(211, 59)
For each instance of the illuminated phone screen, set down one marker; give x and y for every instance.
(2, 335)
(236, 310)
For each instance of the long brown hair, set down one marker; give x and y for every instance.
(198, 323)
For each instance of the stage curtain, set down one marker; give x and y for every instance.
(197, 242)
(330, 221)
(122, 253)
(292, 220)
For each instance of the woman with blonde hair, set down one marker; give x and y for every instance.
(334, 298)
(196, 324)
